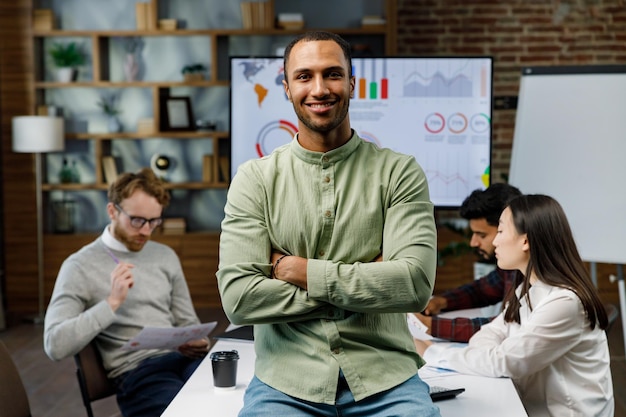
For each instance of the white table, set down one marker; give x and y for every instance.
(482, 396)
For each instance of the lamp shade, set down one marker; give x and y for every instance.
(36, 134)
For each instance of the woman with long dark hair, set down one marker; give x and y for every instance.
(550, 337)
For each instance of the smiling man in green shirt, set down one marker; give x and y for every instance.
(325, 245)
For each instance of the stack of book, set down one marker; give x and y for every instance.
(257, 14)
(373, 22)
(145, 125)
(174, 226)
(293, 21)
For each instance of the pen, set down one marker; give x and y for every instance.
(117, 261)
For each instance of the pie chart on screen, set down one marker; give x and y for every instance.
(273, 135)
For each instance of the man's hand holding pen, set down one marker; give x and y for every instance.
(121, 282)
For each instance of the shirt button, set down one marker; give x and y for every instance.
(325, 158)
(326, 179)
(327, 213)
(336, 351)
(322, 253)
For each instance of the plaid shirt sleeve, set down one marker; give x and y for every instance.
(459, 329)
(485, 291)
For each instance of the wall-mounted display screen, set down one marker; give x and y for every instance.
(437, 109)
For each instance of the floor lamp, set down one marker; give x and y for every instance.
(38, 134)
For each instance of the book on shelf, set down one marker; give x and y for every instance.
(43, 19)
(145, 16)
(110, 169)
(257, 14)
(224, 165)
(207, 168)
(141, 15)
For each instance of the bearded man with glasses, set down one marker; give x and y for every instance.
(116, 285)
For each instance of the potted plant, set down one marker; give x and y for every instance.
(108, 104)
(193, 72)
(67, 57)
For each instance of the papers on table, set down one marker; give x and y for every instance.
(168, 337)
(417, 328)
(239, 334)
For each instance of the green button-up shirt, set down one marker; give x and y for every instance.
(338, 209)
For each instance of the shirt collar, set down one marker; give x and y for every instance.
(111, 242)
(324, 158)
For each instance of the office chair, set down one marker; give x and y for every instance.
(92, 378)
(12, 392)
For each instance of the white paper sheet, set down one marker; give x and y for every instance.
(417, 328)
(168, 337)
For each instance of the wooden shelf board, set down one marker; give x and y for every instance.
(196, 134)
(126, 84)
(197, 185)
(377, 30)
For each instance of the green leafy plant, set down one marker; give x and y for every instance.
(109, 104)
(455, 248)
(66, 55)
(193, 69)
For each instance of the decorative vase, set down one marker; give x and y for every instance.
(131, 67)
(114, 124)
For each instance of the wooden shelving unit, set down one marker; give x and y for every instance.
(100, 43)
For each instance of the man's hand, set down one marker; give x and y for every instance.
(435, 305)
(195, 348)
(421, 345)
(121, 282)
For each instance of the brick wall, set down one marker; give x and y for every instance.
(517, 34)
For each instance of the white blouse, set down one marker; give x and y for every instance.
(560, 367)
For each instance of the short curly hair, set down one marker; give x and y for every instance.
(489, 203)
(145, 180)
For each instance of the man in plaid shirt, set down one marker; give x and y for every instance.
(482, 208)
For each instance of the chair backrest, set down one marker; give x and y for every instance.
(92, 377)
(13, 398)
(612, 312)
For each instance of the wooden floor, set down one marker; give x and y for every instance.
(53, 390)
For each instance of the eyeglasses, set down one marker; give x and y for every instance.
(139, 222)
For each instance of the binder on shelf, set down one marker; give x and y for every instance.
(109, 168)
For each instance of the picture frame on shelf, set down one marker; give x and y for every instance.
(176, 114)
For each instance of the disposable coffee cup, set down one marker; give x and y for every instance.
(225, 369)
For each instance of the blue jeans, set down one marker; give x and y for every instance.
(409, 399)
(147, 390)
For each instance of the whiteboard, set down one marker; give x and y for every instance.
(570, 143)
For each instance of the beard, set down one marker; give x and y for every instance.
(129, 241)
(328, 124)
(485, 257)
